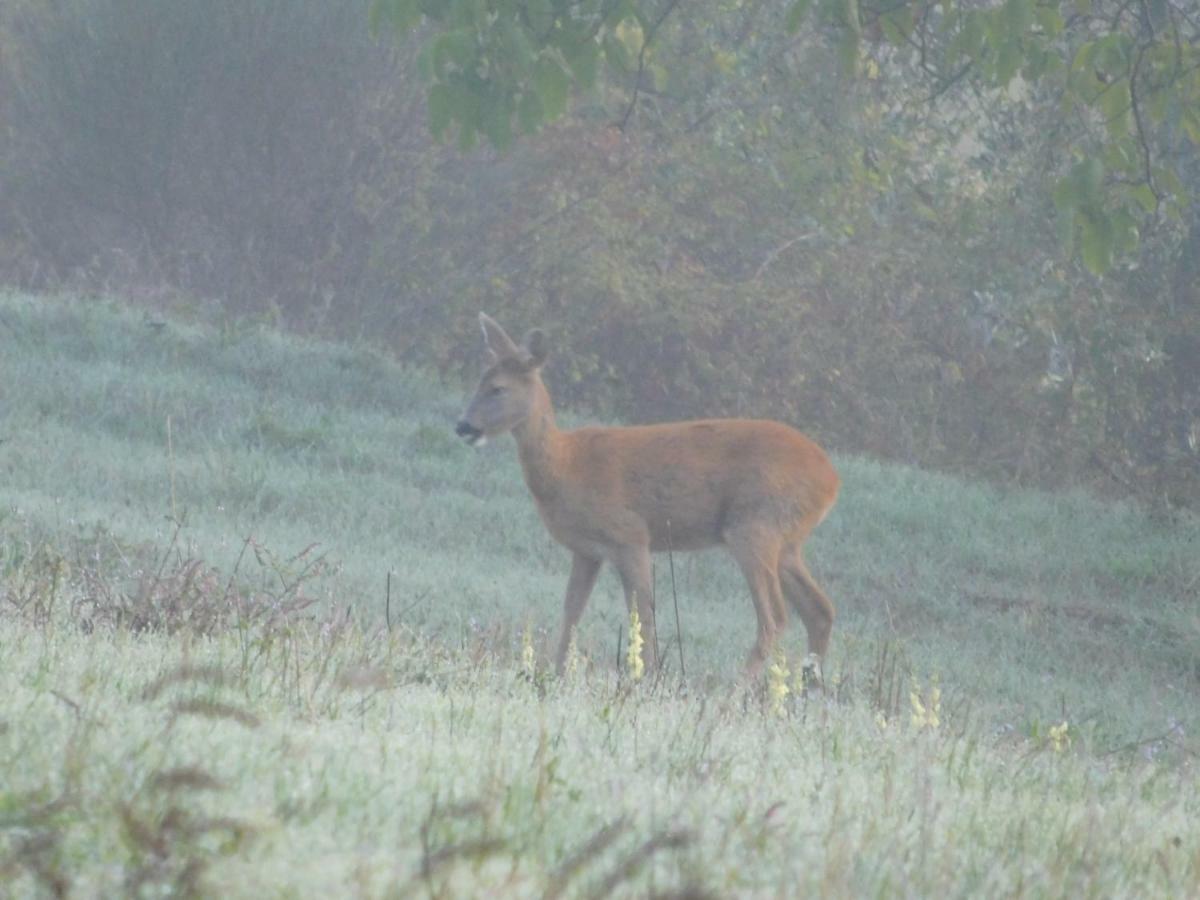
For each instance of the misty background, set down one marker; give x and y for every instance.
(749, 232)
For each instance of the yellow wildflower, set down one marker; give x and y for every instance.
(925, 714)
(528, 661)
(777, 683)
(1059, 739)
(633, 658)
(918, 708)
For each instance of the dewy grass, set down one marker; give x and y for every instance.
(1061, 632)
(455, 778)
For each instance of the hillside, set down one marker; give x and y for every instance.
(128, 443)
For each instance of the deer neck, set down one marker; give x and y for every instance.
(540, 449)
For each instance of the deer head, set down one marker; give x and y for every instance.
(510, 388)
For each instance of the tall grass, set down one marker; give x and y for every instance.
(379, 764)
(306, 677)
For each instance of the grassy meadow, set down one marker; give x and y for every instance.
(267, 628)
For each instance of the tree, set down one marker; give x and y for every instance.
(1125, 74)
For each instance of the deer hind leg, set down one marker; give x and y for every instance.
(757, 550)
(633, 564)
(584, 570)
(807, 598)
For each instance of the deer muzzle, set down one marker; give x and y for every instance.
(470, 433)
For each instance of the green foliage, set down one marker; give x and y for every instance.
(1132, 69)
(1102, 234)
(491, 66)
(1137, 71)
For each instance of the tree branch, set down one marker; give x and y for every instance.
(1148, 170)
(647, 38)
(774, 254)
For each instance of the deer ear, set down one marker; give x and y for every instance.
(535, 348)
(496, 339)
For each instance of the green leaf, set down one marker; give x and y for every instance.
(1049, 20)
(1125, 232)
(1083, 57)
(457, 47)
(467, 136)
(1008, 61)
(1112, 55)
(795, 15)
(973, 37)
(1168, 179)
(619, 12)
(1122, 154)
(512, 41)
(1158, 102)
(1115, 103)
(1065, 224)
(848, 55)
(1089, 175)
(530, 114)
(616, 54)
(658, 76)
(466, 13)
(552, 85)
(1036, 60)
(1096, 242)
(425, 63)
(897, 26)
(1067, 197)
(376, 15)
(1018, 15)
(1190, 120)
(434, 10)
(850, 19)
(1144, 197)
(1052, 63)
(441, 109)
(584, 59)
(541, 15)
(497, 121)
(399, 14)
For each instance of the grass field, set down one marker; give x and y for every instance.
(264, 627)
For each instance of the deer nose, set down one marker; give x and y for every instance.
(467, 431)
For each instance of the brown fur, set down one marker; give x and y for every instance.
(619, 494)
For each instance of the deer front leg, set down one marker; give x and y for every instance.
(584, 570)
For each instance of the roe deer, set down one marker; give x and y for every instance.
(619, 494)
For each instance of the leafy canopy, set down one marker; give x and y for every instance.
(1127, 71)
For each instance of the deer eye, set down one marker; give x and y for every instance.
(495, 390)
